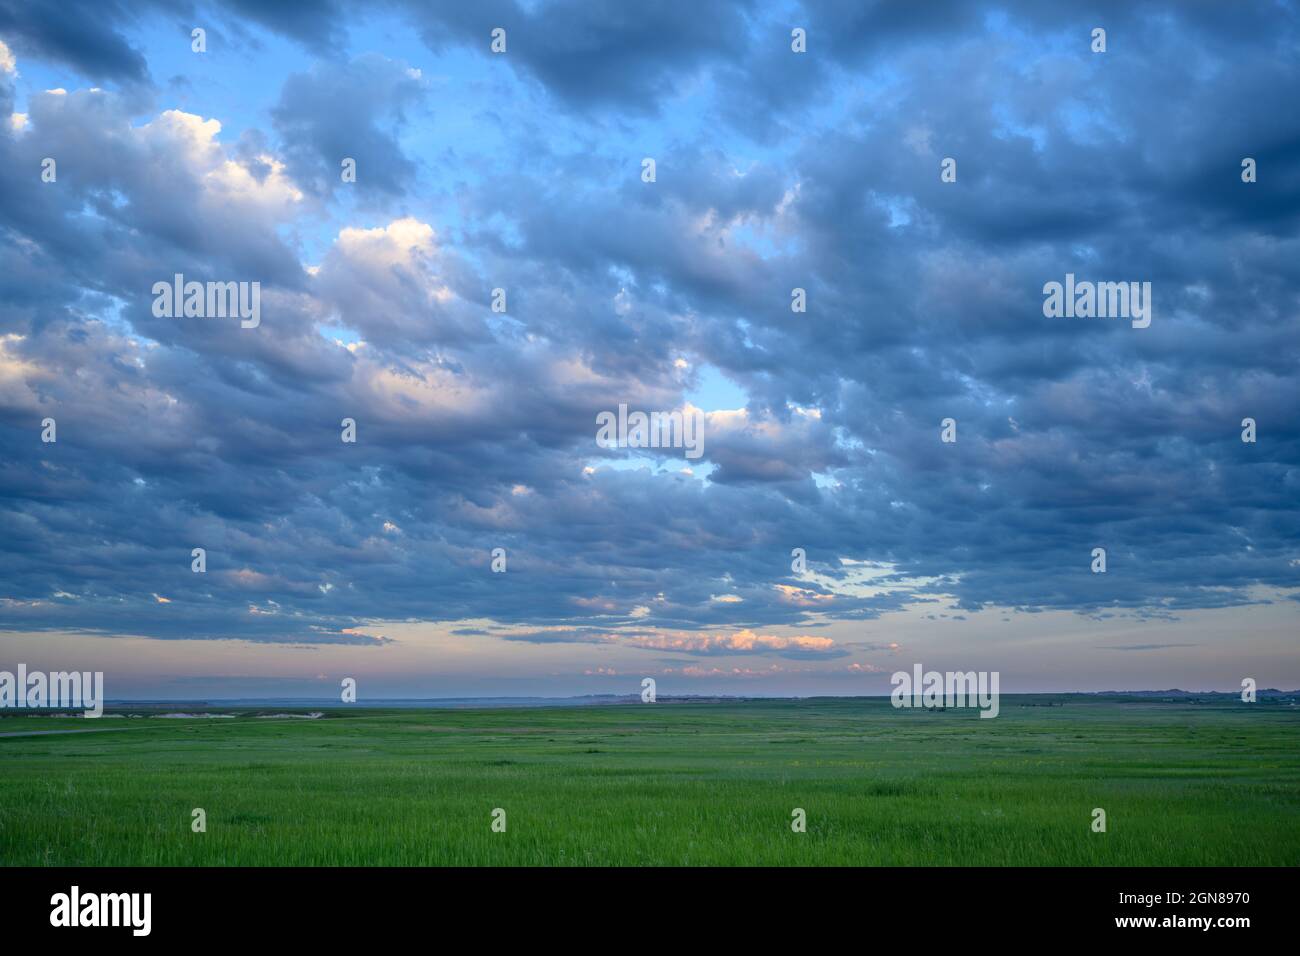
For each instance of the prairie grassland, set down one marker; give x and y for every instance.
(664, 784)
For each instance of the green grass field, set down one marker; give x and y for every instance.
(667, 783)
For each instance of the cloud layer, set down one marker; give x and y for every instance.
(522, 172)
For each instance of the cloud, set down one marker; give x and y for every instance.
(81, 34)
(476, 429)
(351, 110)
(624, 57)
(742, 642)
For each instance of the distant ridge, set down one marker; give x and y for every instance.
(1177, 694)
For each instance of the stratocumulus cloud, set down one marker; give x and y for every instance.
(499, 274)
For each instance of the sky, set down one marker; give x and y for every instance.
(823, 430)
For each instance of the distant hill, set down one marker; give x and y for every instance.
(1176, 694)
